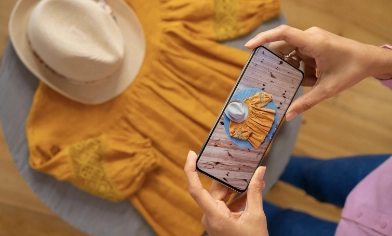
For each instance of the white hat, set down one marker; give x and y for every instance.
(236, 111)
(89, 51)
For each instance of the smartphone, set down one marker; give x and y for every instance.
(249, 119)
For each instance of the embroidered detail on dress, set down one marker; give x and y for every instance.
(225, 19)
(87, 165)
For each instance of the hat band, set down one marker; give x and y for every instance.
(106, 7)
(74, 81)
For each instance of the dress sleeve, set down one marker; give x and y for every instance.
(221, 19)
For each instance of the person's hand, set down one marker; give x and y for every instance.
(331, 63)
(222, 219)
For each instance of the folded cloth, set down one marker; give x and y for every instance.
(259, 121)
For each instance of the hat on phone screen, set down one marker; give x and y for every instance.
(236, 111)
(89, 51)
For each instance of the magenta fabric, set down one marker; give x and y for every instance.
(368, 208)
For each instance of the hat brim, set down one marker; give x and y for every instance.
(101, 92)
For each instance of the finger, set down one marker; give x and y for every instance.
(220, 192)
(204, 222)
(281, 48)
(201, 196)
(256, 186)
(285, 33)
(310, 78)
(238, 203)
(293, 61)
(305, 102)
(308, 82)
(306, 59)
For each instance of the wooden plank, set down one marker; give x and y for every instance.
(355, 122)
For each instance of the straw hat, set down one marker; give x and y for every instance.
(236, 111)
(89, 51)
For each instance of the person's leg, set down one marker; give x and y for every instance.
(330, 180)
(285, 222)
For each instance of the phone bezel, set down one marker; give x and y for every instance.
(224, 107)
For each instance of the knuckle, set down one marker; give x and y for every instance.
(283, 28)
(256, 188)
(192, 191)
(259, 216)
(216, 225)
(256, 191)
(204, 221)
(306, 104)
(327, 91)
(273, 46)
(314, 29)
(259, 36)
(318, 34)
(284, 31)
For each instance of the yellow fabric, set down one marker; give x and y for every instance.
(134, 146)
(258, 123)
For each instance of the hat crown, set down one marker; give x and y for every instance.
(78, 39)
(236, 111)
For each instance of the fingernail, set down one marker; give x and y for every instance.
(249, 42)
(291, 115)
(261, 172)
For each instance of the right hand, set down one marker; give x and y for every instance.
(228, 220)
(331, 63)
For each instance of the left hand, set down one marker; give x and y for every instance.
(331, 63)
(222, 219)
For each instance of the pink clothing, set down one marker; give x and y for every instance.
(368, 207)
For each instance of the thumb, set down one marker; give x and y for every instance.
(306, 101)
(256, 186)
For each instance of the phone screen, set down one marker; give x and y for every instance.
(239, 139)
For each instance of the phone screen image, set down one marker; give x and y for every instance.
(240, 138)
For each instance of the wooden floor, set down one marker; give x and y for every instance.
(355, 122)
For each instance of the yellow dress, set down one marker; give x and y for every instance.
(134, 146)
(258, 123)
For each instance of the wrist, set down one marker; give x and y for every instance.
(380, 62)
